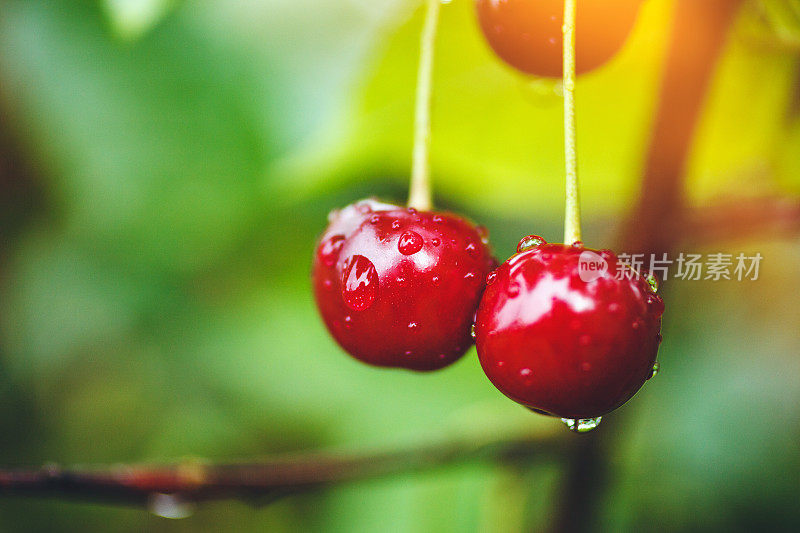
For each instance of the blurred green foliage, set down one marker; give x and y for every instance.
(154, 301)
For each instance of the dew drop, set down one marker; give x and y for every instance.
(411, 211)
(375, 219)
(469, 275)
(170, 506)
(525, 372)
(435, 241)
(501, 364)
(412, 326)
(529, 242)
(400, 279)
(659, 338)
(472, 331)
(471, 249)
(438, 219)
(396, 224)
(329, 250)
(656, 368)
(581, 425)
(613, 307)
(409, 243)
(652, 280)
(435, 280)
(408, 352)
(577, 244)
(491, 277)
(637, 323)
(359, 283)
(364, 208)
(513, 290)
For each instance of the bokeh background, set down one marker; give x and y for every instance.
(165, 167)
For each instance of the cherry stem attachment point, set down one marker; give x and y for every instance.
(572, 215)
(420, 196)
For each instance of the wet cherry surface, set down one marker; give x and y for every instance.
(399, 288)
(555, 343)
(527, 33)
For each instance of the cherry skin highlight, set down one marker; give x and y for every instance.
(399, 288)
(564, 338)
(526, 34)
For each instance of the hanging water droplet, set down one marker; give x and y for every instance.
(329, 250)
(472, 331)
(529, 242)
(656, 368)
(652, 280)
(409, 243)
(170, 506)
(581, 425)
(359, 283)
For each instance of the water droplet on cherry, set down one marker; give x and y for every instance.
(529, 242)
(409, 243)
(652, 280)
(359, 283)
(656, 368)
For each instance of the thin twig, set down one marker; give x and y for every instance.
(270, 478)
(419, 195)
(572, 211)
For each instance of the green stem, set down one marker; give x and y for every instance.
(419, 196)
(572, 216)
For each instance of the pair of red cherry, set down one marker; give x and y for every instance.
(402, 288)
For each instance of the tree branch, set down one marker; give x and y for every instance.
(270, 478)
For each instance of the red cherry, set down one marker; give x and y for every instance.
(559, 330)
(527, 33)
(399, 288)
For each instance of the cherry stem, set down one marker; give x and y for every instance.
(572, 215)
(419, 196)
